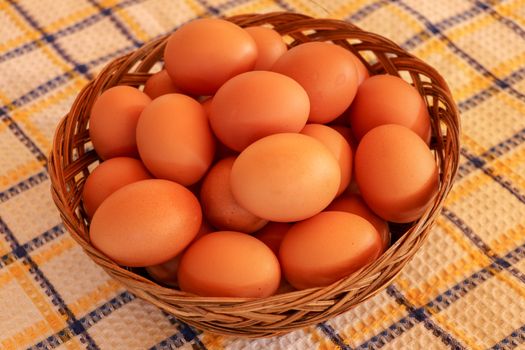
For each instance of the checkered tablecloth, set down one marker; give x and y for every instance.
(465, 289)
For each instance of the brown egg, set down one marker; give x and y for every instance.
(362, 71)
(387, 99)
(218, 204)
(174, 139)
(257, 104)
(229, 264)
(327, 247)
(396, 173)
(160, 84)
(166, 272)
(270, 46)
(339, 147)
(108, 177)
(328, 74)
(203, 54)
(206, 104)
(285, 177)
(114, 119)
(146, 222)
(272, 234)
(354, 204)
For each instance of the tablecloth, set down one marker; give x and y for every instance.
(465, 288)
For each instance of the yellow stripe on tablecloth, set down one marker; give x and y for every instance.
(506, 241)
(348, 7)
(456, 332)
(469, 27)
(466, 186)
(509, 9)
(132, 24)
(23, 114)
(70, 19)
(26, 336)
(56, 248)
(31, 34)
(102, 292)
(407, 19)
(14, 175)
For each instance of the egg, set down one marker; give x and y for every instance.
(113, 121)
(166, 272)
(108, 177)
(328, 74)
(229, 264)
(327, 247)
(174, 139)
(160, 84)
(362, 71)
(270, 46)
(354, 204)
(146, 222)
(203, 54)
(396, 173)
(218, 204)
(257, 104)
(206, 104)
(387, 99)
(285, 177)
(339, 147)
(272, 234)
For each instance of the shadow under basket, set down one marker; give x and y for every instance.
(71, 160)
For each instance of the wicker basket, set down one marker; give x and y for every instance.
(71, 159)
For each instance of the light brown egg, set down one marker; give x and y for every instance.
(229, 264)
(354, 204)
(339, 147)
(146, 222)
(396, 173)
(206, 104)
(327, 247)
(114, 119)
(218, 204)
(270, 46)
(174, 139)
(387, 99)
(328, 74)
(257, 104)
(362, 71)
(108, 177)
(166, 272)
(272, 234)
(160, 84)
(203, 54)
(285, 177)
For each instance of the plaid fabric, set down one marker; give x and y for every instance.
(465, 289)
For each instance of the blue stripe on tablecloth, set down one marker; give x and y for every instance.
(503, 20)
(334, 336)
(73, 28)
(422, 315)
(478, 242)
(366, 11)
(121, 27)
(443, 300)
(23, 185)
(512, 341)
(431, 28)
(84, 323)
(46, 286)
(49, 39)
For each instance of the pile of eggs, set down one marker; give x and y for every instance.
(244, 168)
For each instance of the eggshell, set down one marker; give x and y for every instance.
(362, 71)
(108, 177)
(387, 99)
(206, 104)
(327, 247)
(218, 204)
(203, 54)
(160, 84)
(285, 177)
(339, 147)
(229, 264)
(257, 104)
(174, 139)
(272, 234)
(270, 46)
(146, 222)
(396, 173)
(166, 272)
(354, 204)
(114, 119)
(328, 74)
